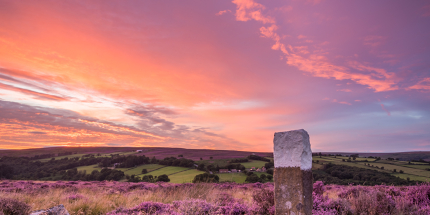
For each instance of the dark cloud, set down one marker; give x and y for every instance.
(16, 113)
(37, 132)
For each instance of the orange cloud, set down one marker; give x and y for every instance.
(222, 12)
(248, 9)
(424, 84)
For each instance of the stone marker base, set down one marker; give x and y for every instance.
(293, 191)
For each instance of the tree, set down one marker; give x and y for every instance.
(263, 177)
(253, 178)
(144, 171)
(211, 158)
(154, 160)
(148, 178)
(6, 171)
(133, 178)
(201, 167)
(205, 177)
(163, 177)
(201, 159)
(401, 171)
(394, 170)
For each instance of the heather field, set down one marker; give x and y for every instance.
(205, 198)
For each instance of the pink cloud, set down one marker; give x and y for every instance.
(222, 12)
(424, 84)
(319, 65)
(248, 9)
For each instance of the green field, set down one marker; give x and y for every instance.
(423, 167)
(89, 169)
(168, 170)
(356, 159)
(138, 170)
(61, 157)
(253, 163)
(316, 166)
(412, 177)
(236, 177)
(185, 176)
(413, 172)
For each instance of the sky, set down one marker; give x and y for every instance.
(215, 74)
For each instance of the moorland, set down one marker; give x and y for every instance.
(167, 180)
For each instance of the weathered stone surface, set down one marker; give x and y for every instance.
(292, 149)
(293, 190)
(56, 210)
(293, 173)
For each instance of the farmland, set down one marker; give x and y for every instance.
(408, 170)
(168, 170)
(412, 170)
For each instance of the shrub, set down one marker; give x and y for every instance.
(145, 207)
(265, 199)
(253, 178)
(164, 178)
(205, 177)
(401, 171)
(14, 207)
(144, 171)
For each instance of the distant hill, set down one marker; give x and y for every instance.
(403, 156)
(158, 152)
(195, 154)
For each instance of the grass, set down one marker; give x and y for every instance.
(89, 169)
(423, 167)
(168, 170)
(253, 163)
(138, 170)
(316, 166)
(185, 176)
(236, 177)
(406, 170)
(411, 177)
(97, 200)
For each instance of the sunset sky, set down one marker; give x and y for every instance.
(215, 74)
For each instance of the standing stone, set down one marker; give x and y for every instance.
(293, 173)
